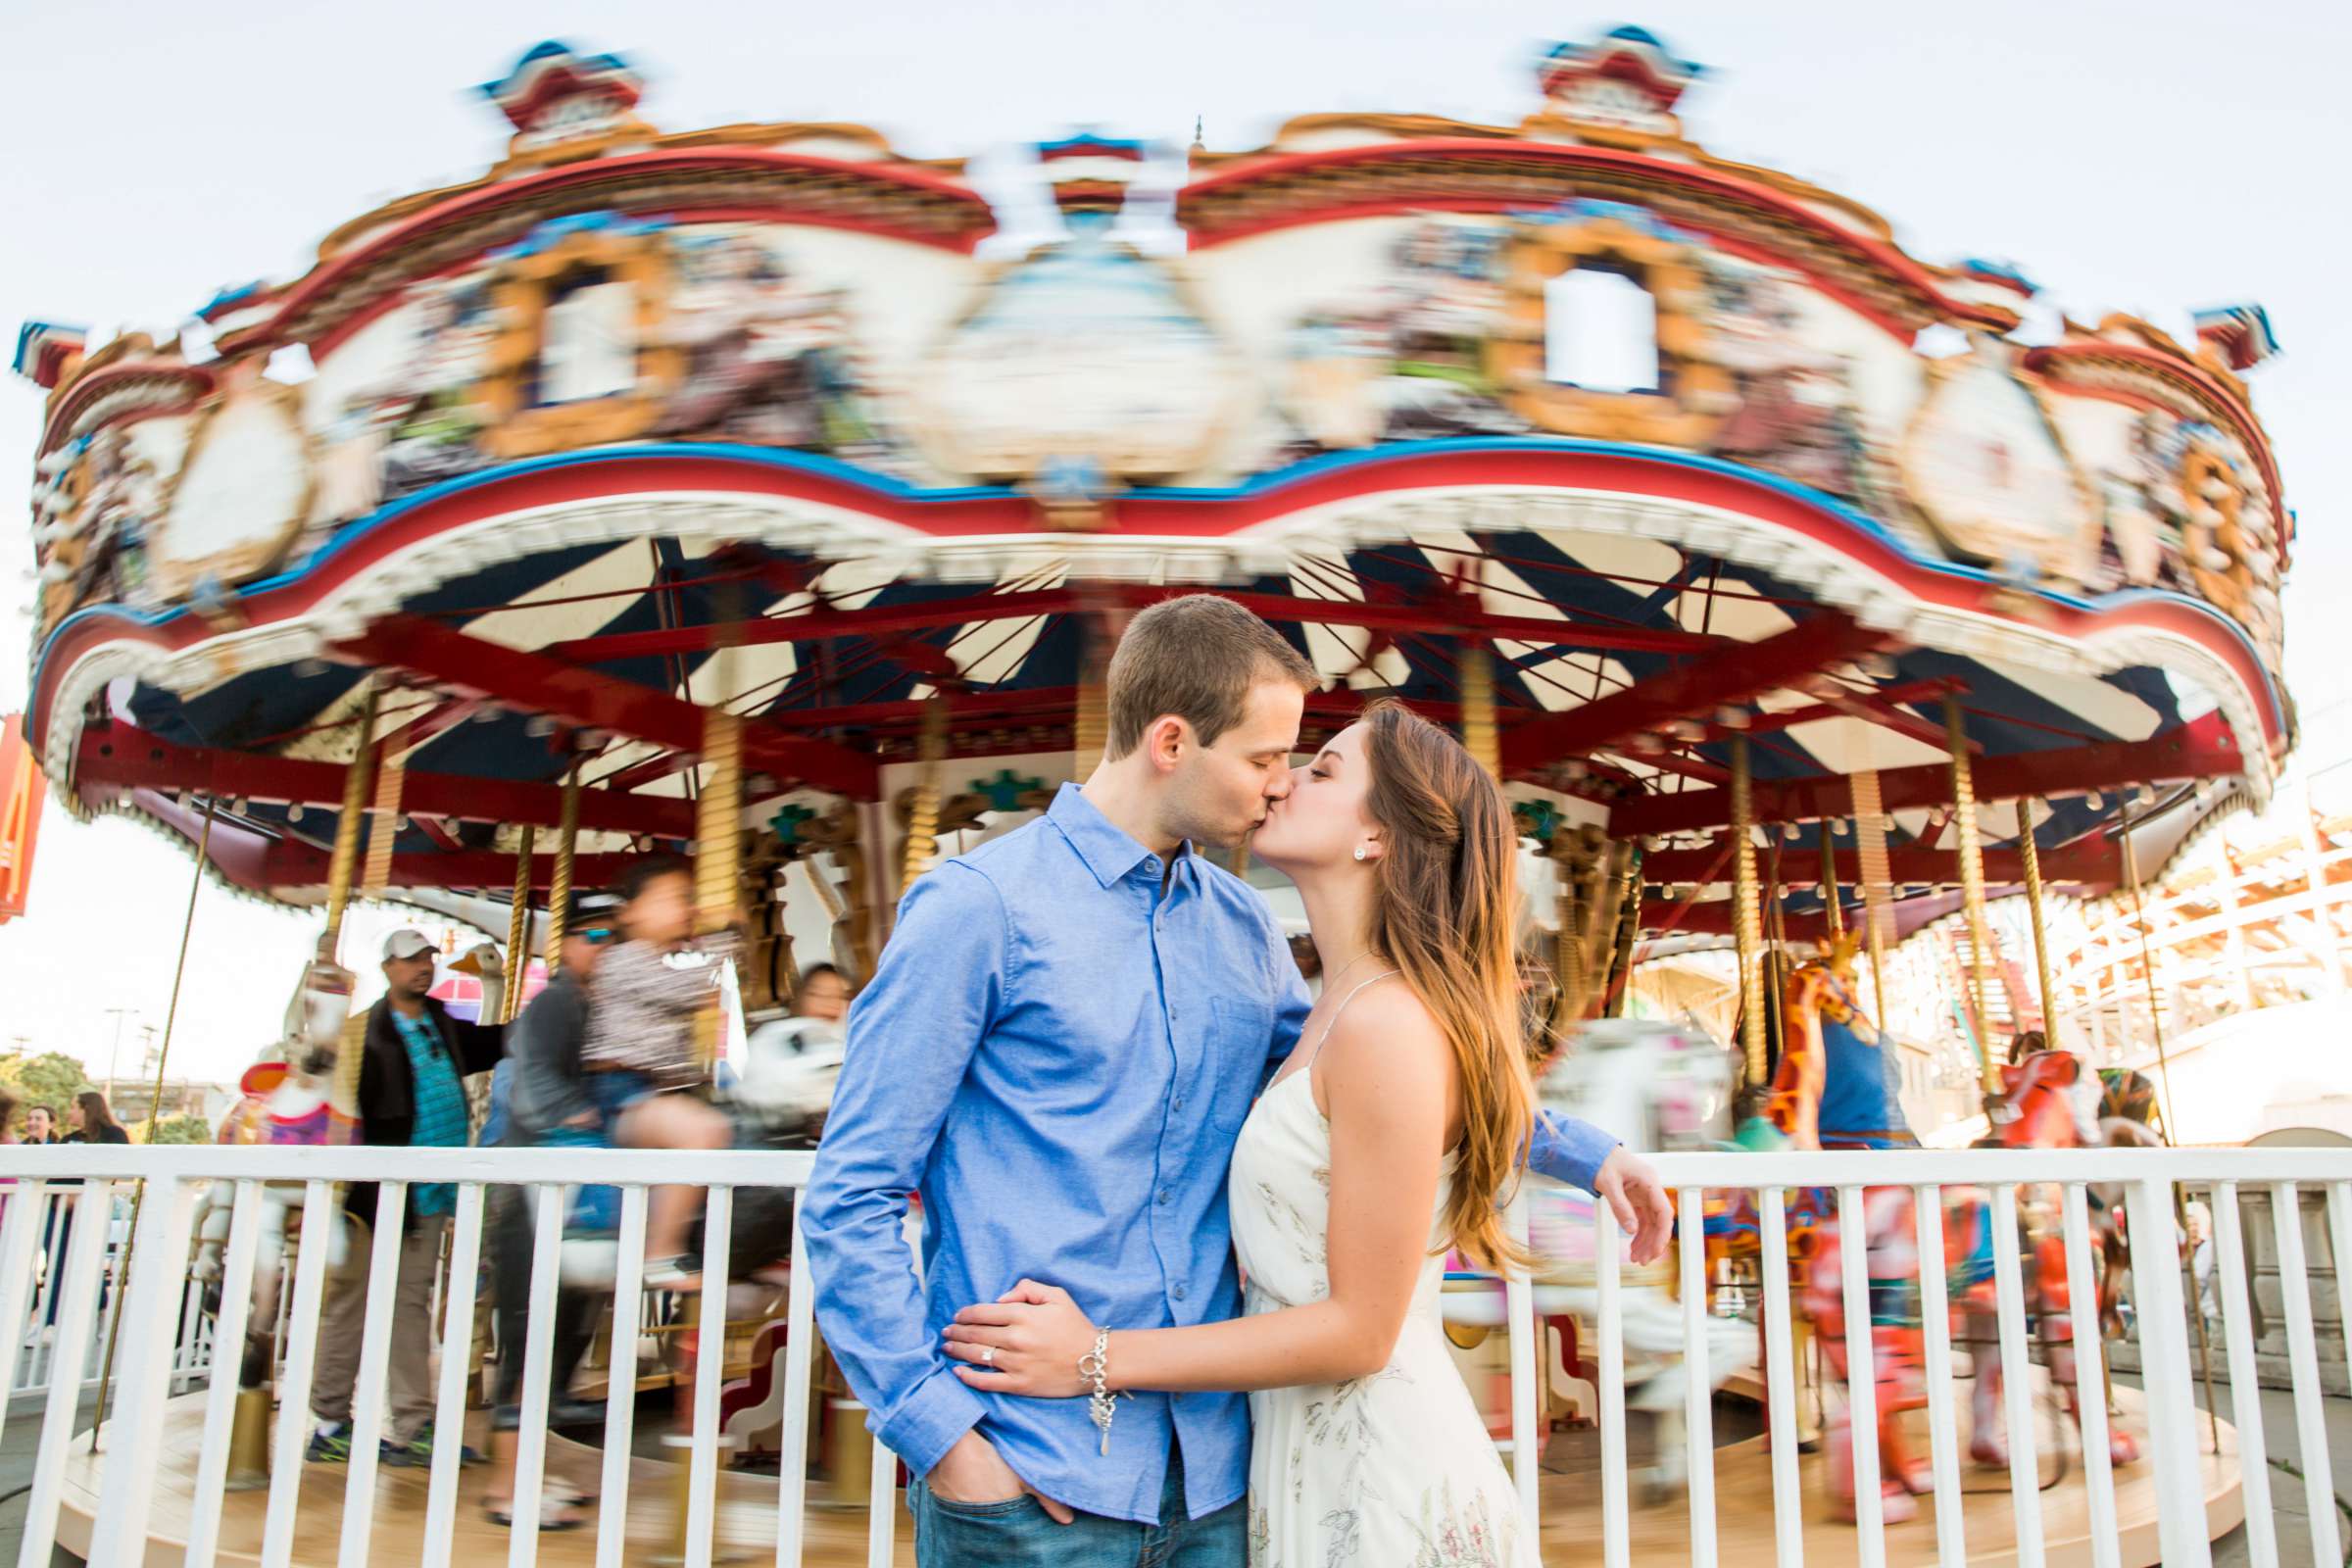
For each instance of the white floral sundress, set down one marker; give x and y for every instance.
(1395, 1470)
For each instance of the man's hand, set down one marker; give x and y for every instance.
(1632, 1191)
(974, 1474)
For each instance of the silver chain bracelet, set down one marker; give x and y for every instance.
(1095, 1368)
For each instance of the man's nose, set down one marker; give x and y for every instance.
(1280, 785)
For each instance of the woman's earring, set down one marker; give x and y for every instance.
(1359, 852)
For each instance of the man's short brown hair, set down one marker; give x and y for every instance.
(1195, 658)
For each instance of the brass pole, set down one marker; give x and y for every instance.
(518, 929)
(2164, 1073)
(1878, 889)
(922, 823)
(1829, 883)
(559, 883)
(1744, 933)
(1479, 735)
(155, 1111)
(1564, 955)
(1090, 724)
(1972, 885)
(382, 826)
(718, 851)
(1776, 965)
(2030, 855)
(340, 864)
(1629, 933)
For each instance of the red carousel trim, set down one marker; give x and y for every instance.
(289, 320)
(125, 757)
(2202, 748)
(1879, 257)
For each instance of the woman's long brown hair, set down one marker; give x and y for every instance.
(1444, 911)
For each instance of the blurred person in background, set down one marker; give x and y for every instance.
(640, 1053)
(823, 993)
(93, 1120)
(41, 1125)
(538, 1099)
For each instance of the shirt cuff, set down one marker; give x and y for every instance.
(928, 1423)
(1571, 1149)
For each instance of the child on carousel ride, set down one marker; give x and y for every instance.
(640, 1059)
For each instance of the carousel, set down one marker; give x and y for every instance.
(713, 490)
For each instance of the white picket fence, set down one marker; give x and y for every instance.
(35, 1350)
(152, 1357)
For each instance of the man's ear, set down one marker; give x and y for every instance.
(1166, 739)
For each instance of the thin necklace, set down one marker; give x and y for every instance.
(1333, 983)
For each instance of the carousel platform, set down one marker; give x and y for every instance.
(746, 1511)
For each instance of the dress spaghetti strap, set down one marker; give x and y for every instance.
(1331, 1022)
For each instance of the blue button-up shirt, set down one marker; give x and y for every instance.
(1056, 1053)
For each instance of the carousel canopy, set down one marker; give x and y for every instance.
(1685, 455)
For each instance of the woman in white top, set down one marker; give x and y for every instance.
(1395, 1133)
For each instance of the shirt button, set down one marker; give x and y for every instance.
(1180, 1293)
(1178, 1104)
(1164, 1196)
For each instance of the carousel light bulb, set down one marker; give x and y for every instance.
(294, 812)
(241, 804)
(2095, 801)
(1790, 832)
(539, 726)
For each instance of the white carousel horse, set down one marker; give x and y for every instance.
(1659, 1087)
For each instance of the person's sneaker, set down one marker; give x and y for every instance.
(417, 1452)
(332, 1446)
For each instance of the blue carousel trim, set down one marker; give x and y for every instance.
(898, 492)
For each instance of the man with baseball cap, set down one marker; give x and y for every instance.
(413, 1065)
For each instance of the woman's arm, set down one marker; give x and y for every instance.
(1389, 1086)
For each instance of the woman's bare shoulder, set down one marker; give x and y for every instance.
(1386, 1039)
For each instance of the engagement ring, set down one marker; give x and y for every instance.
(988, 1356)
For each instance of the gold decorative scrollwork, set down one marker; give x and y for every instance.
(1695, 393)
(526, 287)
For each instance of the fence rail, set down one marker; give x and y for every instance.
(153, 1359)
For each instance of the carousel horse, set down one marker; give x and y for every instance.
(2049, 1100)
(286, 1104)
(1837, 1088)
(1662, 1087)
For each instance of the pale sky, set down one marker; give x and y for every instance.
(2151, 157)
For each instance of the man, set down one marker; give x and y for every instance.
(1058, 1050)
(413, 1060)
(824, 995)
(537, 1100)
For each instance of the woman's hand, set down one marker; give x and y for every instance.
(1028, 1342)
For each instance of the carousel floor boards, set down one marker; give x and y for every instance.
(837, 1536)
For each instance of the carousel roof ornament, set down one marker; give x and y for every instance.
(44, 350)
(554, 85)
(1625, 77)
(2239, 333)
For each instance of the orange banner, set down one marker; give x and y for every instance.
(22, 789)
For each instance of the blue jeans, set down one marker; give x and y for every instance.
(1020, 1534)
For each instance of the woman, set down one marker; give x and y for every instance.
(92, 1122)
(1393, 1134)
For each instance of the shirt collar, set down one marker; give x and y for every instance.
(1105, 847)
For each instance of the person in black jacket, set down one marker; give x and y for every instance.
(414, 1062)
